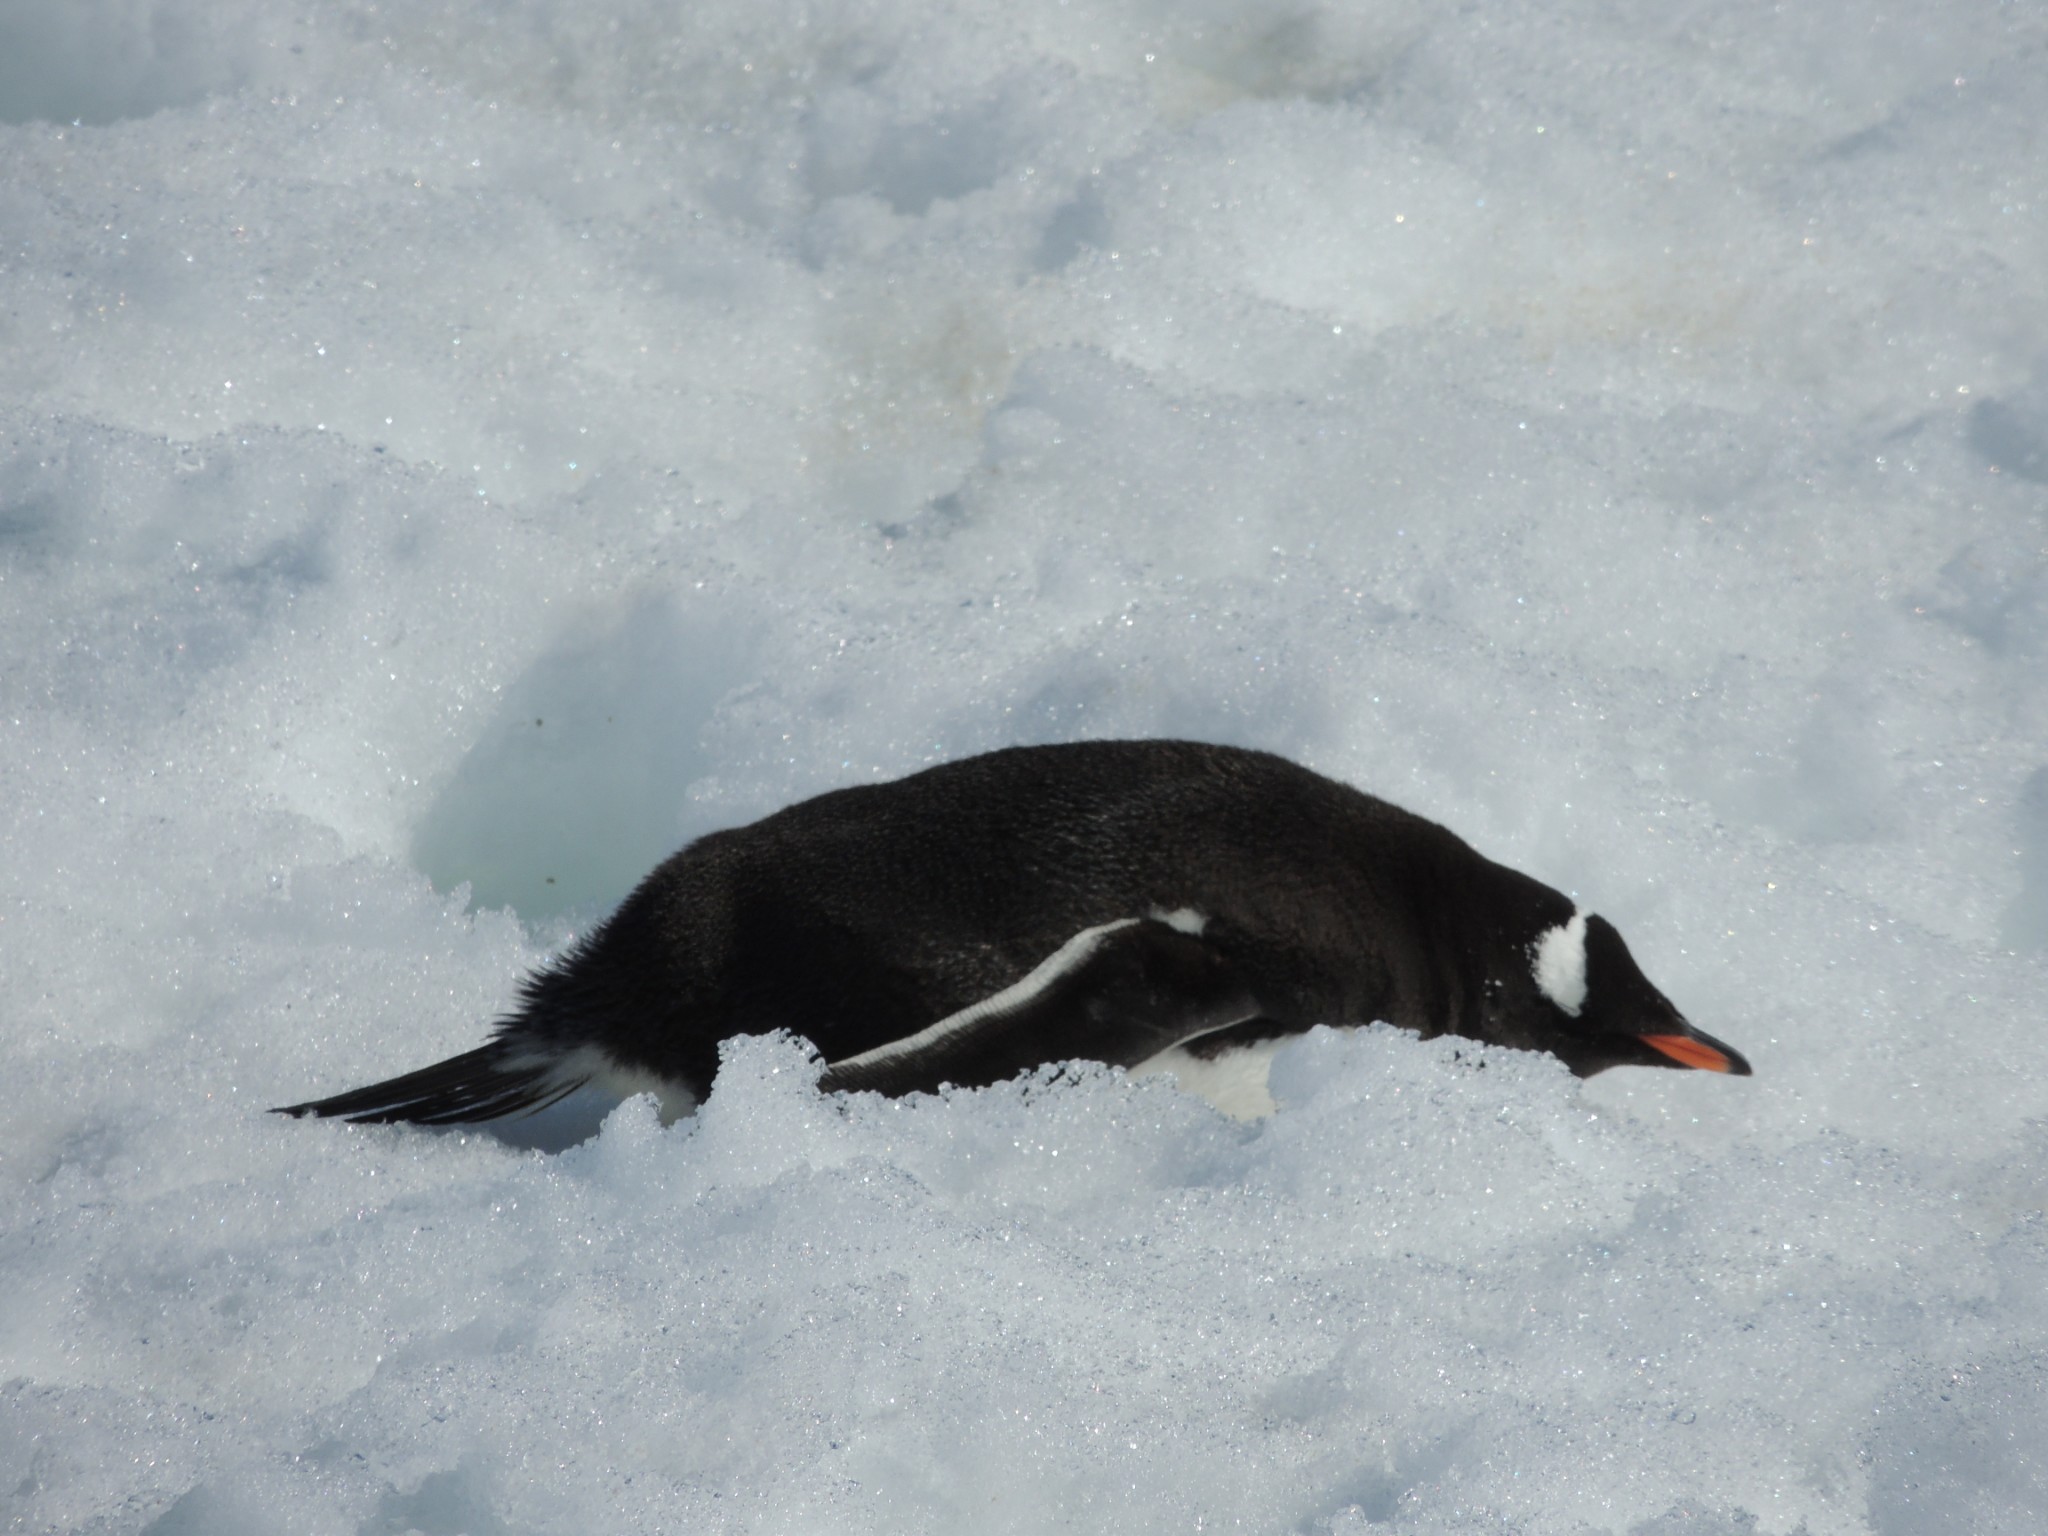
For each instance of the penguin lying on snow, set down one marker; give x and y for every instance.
(1158, 905)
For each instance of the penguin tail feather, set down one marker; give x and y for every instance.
(487, 1083)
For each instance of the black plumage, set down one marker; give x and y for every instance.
(1101, 900)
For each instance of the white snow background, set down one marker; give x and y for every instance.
(452, 453)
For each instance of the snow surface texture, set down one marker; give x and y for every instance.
(453, 453)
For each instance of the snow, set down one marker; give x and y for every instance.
(452, 454)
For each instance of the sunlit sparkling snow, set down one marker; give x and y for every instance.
(453, 453)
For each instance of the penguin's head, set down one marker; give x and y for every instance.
(1582, 997)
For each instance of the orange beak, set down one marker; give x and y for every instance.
(1703, 1054)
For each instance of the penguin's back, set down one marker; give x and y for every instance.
(876, 907)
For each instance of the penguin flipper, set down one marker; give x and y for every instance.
(1119, 993)
(487, 1083)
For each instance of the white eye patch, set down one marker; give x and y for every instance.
(1559, 956)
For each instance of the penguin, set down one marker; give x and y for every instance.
(1157, 905)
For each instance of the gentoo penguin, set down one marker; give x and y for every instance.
(1142, 903)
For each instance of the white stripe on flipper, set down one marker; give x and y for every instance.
(1076, 951)
(1559, 962)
